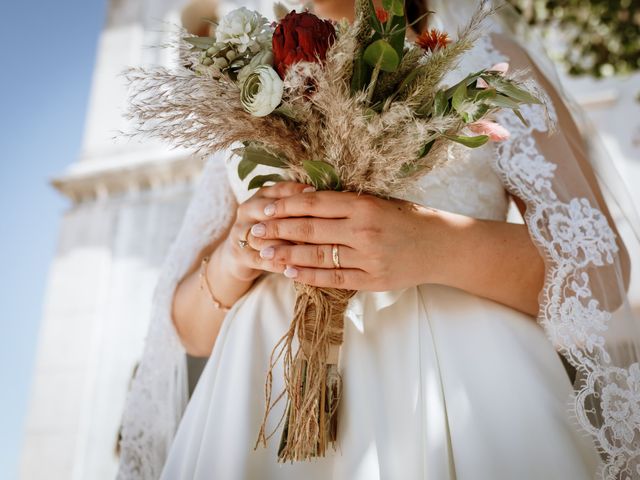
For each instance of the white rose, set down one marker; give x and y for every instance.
(265, 57)
(262, 91)
(242, 27)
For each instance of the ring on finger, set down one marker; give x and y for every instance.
(335, 256)
(244, 242)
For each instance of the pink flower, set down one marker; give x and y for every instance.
(496, 132)
(480, 83)
(501, 68)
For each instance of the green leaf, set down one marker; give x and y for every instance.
(500, 101)
(259, 155)
(396, 7)
(323, 176)
(480, 110)
(426, 149)
(382, 53)
(259, 180)
(484, 94)
(521, 118)
(398, 34)
(245, 167)
(361, 74)
(440, 103)
(471, 142)
(373, 18)
(459, 96)
(203, 43)
(510, 89)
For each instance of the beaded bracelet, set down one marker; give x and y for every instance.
(204, 280)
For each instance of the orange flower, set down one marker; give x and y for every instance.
(433, 39)
(382, 15)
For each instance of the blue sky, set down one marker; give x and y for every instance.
(47, 53)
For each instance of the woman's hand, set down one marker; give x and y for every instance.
(392, 244)
(245, 264)
(382, 244)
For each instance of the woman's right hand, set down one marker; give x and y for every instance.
(245, 264)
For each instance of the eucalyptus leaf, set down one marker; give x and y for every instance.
(259, 155)
(511, 90)
(440, 103)
(484, 94)
(245, 167)
(520, 117)
(382, 53)
(259, 180)
(203, 43)
(322, 175)
(471, 142)
(459, 96)
(500, 101)
(395, 7)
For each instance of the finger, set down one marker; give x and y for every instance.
(283, 189)
(347, 278)
(259, 244)
(307, 230)
(317, 256)
(258, 263)
(254, 209)
(325, 204)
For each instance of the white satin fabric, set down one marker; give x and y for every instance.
(438, 383)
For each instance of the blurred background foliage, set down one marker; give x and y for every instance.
(602, 36)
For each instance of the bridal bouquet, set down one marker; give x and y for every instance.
(341, 106)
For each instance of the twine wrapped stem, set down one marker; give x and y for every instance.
(313, 384)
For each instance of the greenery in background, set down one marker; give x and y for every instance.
(603, 36)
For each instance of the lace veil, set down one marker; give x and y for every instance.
(584, 308)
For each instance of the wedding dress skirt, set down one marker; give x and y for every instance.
(438, 384)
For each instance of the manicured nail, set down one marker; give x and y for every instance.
(309, 190)
(267, 253)
(258, 230)
(290, 272)
(270, 209)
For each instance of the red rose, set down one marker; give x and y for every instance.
(301, 37)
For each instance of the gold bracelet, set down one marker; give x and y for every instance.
(204, 280)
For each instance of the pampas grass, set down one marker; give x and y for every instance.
(199, 112)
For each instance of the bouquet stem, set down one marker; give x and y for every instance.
(312, 382)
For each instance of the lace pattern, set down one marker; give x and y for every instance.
(575, 238)
(158, 394)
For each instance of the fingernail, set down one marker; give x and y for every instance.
(270, 209)
(267, 253)
(258, 230)
(309, 189)
(290, 272)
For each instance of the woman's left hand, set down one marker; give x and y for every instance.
(382, 244)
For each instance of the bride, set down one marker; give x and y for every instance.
(446, 372)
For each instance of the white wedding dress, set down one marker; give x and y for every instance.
(438, 383)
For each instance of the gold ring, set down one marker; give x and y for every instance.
(243, 242)
(336, 256)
